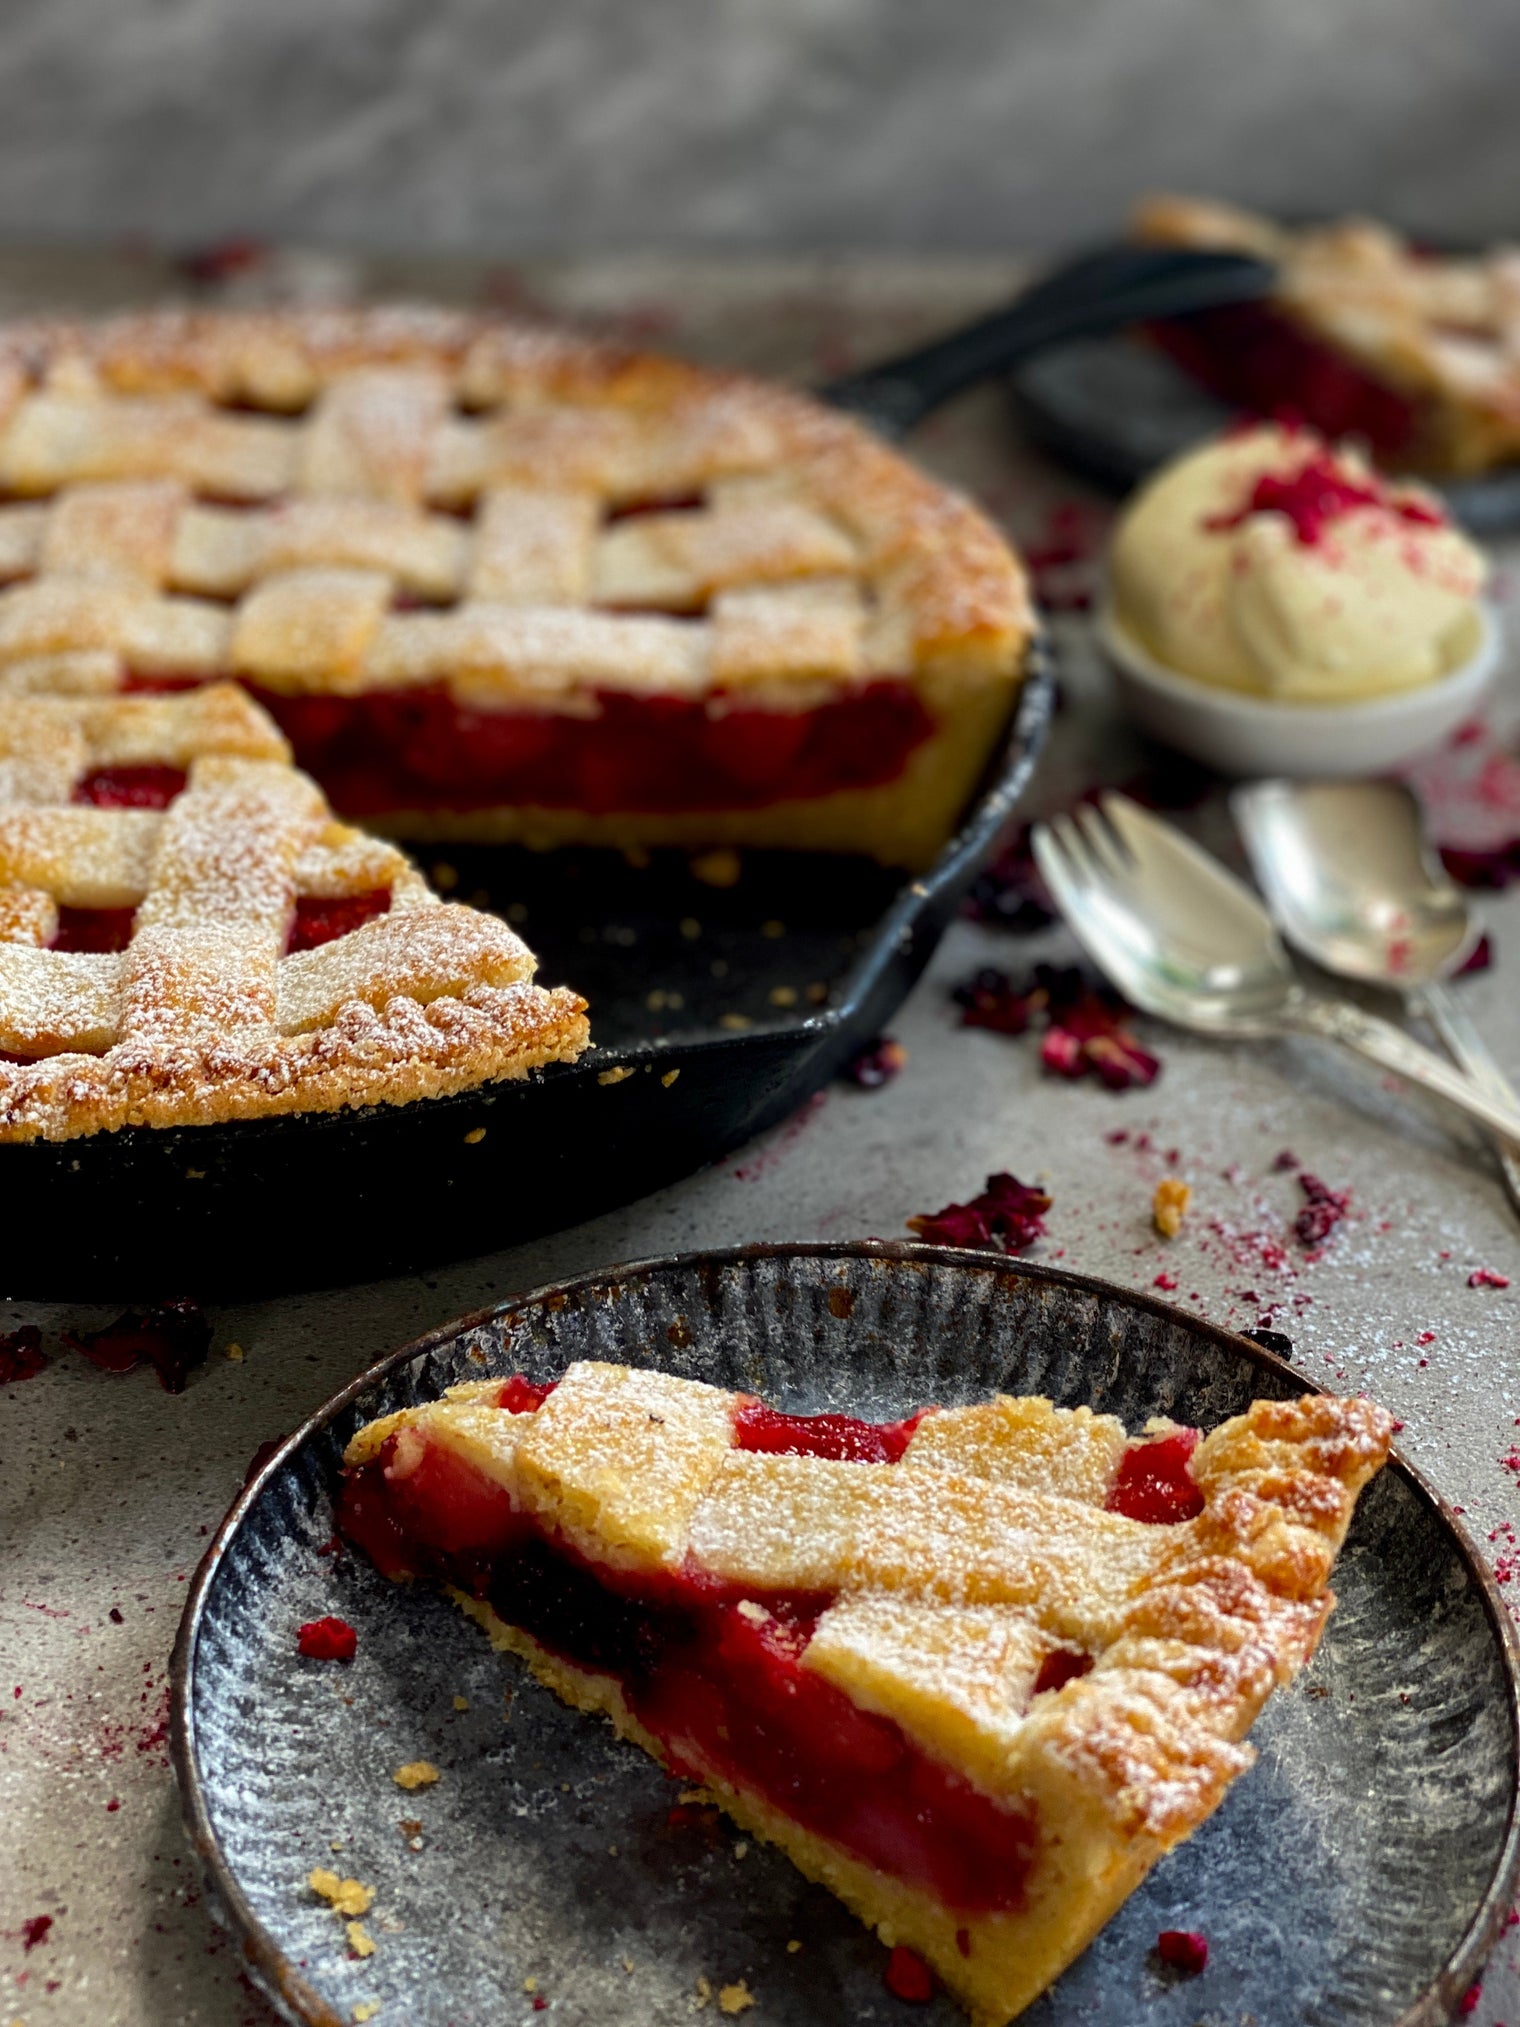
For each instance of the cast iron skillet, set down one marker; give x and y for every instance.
(682, 978)
(1356, 1877)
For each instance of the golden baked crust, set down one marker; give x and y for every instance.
(342, 502)
(953, 1575)
(202, 1017)
(1442, 331)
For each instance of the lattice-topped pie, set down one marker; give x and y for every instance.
(975, 1671)
(1416, 352)
(187, 935)
(502, 584)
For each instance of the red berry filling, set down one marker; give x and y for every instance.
(842, 1437)
(715, 1676)
(1184, 1949)
(318, 920)
(93, 929)
(327, 1640)
(130, 787)
(1251, 355)
(521, 1396)
(909, 1977)
(420, 749)
(172, 1337)
(1318, 494)
(1154, 1483)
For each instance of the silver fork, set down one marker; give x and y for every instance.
(1185, 940)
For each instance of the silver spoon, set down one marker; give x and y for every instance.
(1352, 882)
(1190, 943)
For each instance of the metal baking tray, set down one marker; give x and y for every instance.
(753, 995)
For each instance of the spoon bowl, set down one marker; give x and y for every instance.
(1348, 874)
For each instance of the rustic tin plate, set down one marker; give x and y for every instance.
(1355, 1878)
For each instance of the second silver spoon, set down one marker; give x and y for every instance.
(1352, 882)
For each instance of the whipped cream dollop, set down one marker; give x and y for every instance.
(1271, 562)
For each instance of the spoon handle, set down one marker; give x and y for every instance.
(1471, 1053)
(1337, 1020)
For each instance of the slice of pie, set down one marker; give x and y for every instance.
(187, 935)
(1415, 352)
(499, 583)
(975, 1671)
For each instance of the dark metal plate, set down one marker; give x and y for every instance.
(1117, 408)
(265, 1206)
(1354, 1878)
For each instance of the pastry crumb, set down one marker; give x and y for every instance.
(360, 1941)
(415, 1774)
(690, 927)
(736, 1998)
(696, 1796)
(365, 2010)
(474, 1137)
(347, 1896)
(530, 1984)
(792, 1947)
(669, 1078)
(628, 1965)
(734, 1021)
(783, 995)
(773, 929)
(704, 1995)
(612, 1851)
(614, 1076)
(1169, 1206)
(721, 868)
(461, 1703)
(741, 1849)
(236, 1353)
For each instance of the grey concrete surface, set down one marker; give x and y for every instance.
(505, 126)
(108, 1487)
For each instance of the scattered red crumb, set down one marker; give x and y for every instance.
(327, 1640)
(877, 1064)
(35, 1931)
(223, 259)
(1322, 1213)
(1485, 1277)
(1184, 1949)
(1468, 2003)
(1287, 1159)
(112, 1806)
(1007, 1217)
(1060, 556)
(21, 1354)
(1085, 1025)
(1165, 1281)
(173, 1337)
(908, 1977)
(540, 2003)
(1009, 892)
(521, 1396)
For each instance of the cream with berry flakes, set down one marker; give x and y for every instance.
(1271, 563)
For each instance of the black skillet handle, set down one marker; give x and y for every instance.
(1100, 292)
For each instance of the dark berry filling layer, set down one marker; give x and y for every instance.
(316, 920)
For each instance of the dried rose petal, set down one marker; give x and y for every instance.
(1485, 1277)
(877, 1064)
(1085, 1024)
(1184, 1949)
(1121, 1063)
(173, 1337)
(327, 1639)
(1492, 866)
(1009, 892)
(1007, 1217)
(1322, 1213)
(1481, 960)
(21, 1354)
(1062, 1053)
(992, 1000)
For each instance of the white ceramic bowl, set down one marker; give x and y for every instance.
(1241, 734)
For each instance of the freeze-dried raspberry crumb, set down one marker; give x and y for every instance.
(908, 1977)
(1468, 2003)
(1007, 1217)
(21, 1354)
(172, 1337)
(877, 1064)
(1184, 1949)
(1009, 892)
(1085, 1025)
(35, 1930)
(1485, 1277)
(327, 1640)
(1287, 1159)
(1322, 1213)
(1166, 1282)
